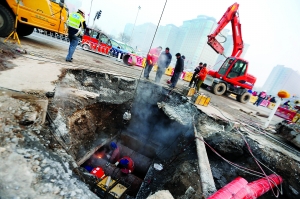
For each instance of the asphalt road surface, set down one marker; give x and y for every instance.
(51, 52)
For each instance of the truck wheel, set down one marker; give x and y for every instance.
(85, 47)
(6, 22)
(24, 29)
(244, 98)
(219, 89)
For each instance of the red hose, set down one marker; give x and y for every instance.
(239, 188)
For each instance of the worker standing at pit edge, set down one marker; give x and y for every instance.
(201, 77)
(151, 60)
(126, 164)
(76, 25)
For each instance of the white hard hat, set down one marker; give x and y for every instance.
(81, 10)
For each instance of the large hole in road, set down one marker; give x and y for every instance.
(87, 115)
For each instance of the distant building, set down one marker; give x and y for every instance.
(190, 40)
(282, 78)
(141, 37)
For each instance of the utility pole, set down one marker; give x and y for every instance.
(90, 12)
(134, 24)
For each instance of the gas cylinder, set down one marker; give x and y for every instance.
(191, 92)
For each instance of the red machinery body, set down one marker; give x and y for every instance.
(232, 76)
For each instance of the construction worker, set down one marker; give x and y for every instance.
(179, 66)
(126, 164)
(114, 154)
(201, 76)
(196, 71)
(164, 61)
(151, 60)
(76, 26)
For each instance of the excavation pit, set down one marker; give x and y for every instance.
(88, 110)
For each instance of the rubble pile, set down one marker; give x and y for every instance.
(29, 169)
(290, 132)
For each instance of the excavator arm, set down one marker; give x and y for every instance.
(231, 15)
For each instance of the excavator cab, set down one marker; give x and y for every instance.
(233, 68)
(234, 71)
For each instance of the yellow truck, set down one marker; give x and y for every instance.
(50, 15)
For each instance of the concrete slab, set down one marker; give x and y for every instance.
(30, 74)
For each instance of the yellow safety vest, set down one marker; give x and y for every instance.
(75, 20)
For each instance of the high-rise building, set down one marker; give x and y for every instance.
(166, 36)
(190, 40)
(282, 78)
(194, 39)
(141, 36)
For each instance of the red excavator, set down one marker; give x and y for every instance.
(232, 77)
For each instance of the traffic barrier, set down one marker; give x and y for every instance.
(296, 118)
(271, 105)
(264, 103)
(183, 75)
(169, 71)
(253, 99)
(285, 113)
(188, 76)
(134, 60)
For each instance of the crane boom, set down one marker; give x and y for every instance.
(231, 15)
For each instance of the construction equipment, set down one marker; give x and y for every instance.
(28, 14)
(233, 76)
(109, 188)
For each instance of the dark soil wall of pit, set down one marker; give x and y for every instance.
(91, 106)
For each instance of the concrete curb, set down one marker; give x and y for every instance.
(206, 178)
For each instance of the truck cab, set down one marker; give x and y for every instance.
(44, 14)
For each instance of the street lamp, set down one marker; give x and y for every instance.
(134, 23)
(90, 11)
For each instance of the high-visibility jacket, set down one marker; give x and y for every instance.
(75, 20)
(152, 56)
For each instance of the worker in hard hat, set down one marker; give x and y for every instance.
(126, 164)
(76, 25)
(114, 153)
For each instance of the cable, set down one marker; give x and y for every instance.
(151, 45)
(223, 37)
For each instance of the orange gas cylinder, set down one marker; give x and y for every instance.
(206, 101)
(198, 99)
(203, 99)
(191, 92)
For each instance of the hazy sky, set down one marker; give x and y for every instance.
(271, 27)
